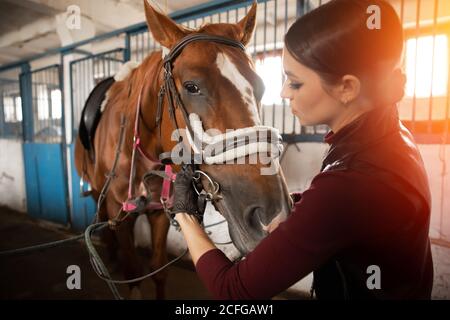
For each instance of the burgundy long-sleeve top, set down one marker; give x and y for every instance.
(347, 218)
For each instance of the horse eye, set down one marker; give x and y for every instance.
(192, 88)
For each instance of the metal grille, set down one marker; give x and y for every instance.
(85, 73)
(47, 105)
(10, 109)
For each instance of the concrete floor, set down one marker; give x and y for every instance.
(42, 275)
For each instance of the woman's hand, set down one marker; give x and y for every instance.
(186, 199)
(296, 196)
(188, 209)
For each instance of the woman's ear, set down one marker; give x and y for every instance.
(349, 89)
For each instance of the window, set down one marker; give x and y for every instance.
(270, 70)
(12, 108)
(46, 111)
(18, 109)
(42, 102)
(427, 67)
(56, 104)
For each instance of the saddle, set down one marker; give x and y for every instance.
(91, 114)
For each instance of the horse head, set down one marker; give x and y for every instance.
(220, 90)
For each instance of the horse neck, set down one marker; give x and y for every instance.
(144, 84)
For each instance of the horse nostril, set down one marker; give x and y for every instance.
(255, 218)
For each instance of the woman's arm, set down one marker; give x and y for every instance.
(311, 235)
(197, 240)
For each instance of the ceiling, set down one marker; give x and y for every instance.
(29, 27)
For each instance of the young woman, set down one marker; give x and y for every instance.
(367, 213)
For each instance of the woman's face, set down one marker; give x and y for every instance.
(309, 102)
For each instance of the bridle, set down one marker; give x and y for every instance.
(168, 88)
(240, 144)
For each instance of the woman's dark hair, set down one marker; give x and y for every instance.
(335, 40)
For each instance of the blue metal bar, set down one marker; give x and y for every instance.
(81, 51)
(402, 11)
(264, 53)
(127, 53)
(414, 102)
(430, 109)
(148, 42)
(275, 18)
(211, 8)
(296, 138)
(45, 68)
(60, 79)
(82, 84)
(63, 140)
(72, 104)
(99, 55)
(27, 102)
(286, 4)
(2, 116)
(5, 80)
(301, 8)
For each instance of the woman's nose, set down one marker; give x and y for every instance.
(285, 93)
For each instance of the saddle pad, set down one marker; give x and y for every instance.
(90, 117)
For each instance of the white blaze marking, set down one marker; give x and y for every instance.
(229, 71)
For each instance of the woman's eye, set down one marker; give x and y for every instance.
(192, 88)
(295, 86)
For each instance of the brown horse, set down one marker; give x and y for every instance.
(219, 84)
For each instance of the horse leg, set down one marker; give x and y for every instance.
(159, 229)
(128, 257)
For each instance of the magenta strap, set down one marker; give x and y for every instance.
(128, 205)
(170, 176)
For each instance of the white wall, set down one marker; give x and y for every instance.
(12, 175)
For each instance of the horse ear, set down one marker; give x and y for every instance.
(163, 29)
(247, 24)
